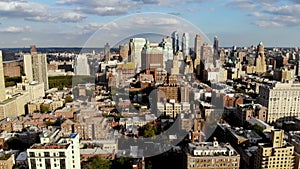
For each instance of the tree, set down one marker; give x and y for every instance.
(99, 162)
(149, 131)
(14, 143)
(122, 163)
(68, 99)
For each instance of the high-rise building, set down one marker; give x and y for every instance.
(185, 93)
(260, 61)
(35, 67)
(124, 49)
(166, 44)
(216, 44)
(175, 42)
(2, 81)
(175, 66)
(276, 154)
(152, 57)
(135, 49)
(81, 65)
(216, 50)
(185, 44)
(197, 50)
(107, 52)
(281, 99)
(207, 55)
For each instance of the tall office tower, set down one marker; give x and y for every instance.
(107, 52)
(124, 49)
(35, 67)
(282, 100)
(81, 65)
(166, 44)
(152, 57)
(216, 43)
(175, 67)
(135, 47)
(197, 50)
(185, 44)
(175, 42)
(216, 49)
(207, 56)
(2, 81)
(185, 93)
(260, 61)
(276, 154)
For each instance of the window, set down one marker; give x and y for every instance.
(47, 154)
(62, 164)
(33, 163)
(47, 163)
(62, 154)
(31, 154)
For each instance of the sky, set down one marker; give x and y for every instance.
(72, 23)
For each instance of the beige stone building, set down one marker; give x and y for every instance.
(276, 154)
(282, 100)
(7, 161)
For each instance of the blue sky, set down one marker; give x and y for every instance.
(51, 23)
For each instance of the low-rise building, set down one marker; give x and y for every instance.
(7, 161)
(211, 155)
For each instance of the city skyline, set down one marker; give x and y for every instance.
(70, 23)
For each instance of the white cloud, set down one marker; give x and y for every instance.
(26, 39)
(14, 29)
(241, 4)
(268, 24)
(271, 13)
(39, 12)
(67, 16)
(17, 8)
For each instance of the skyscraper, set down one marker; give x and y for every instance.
(260, 61)
(152, 57)
(216, 44)
(207, 55)
(2, 82)
(124, 49)
(175, 42)
(81, 65)
(197, 50)
(216, 49)
(136, 46)
(185, 44)
(35, 67)
(106, 52)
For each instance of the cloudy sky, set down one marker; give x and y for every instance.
(57, 23)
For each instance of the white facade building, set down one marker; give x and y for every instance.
(282, 100)
(64, 154)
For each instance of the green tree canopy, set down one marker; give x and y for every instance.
(99, 162)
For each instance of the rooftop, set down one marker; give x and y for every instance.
(50, 146)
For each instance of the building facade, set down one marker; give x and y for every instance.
(211, 155)
(281, 99)
(276, 154)
(64, 154)
(35, 67)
